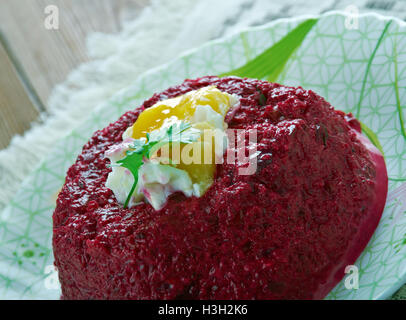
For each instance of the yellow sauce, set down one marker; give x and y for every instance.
(183, 108)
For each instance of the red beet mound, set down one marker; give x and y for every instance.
(286, 232)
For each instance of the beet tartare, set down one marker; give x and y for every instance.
(285, 232)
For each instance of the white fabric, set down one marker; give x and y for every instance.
(160, 33)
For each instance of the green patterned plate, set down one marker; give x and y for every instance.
(358, 63)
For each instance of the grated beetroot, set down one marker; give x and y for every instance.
(286, 232)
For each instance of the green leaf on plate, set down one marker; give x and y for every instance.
(271, 62)
(397, 95)
(368, 67)
(372, 136)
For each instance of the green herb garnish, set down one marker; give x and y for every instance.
(176, 133)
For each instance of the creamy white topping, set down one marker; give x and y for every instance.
(156, 181)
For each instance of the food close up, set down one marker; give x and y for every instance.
(132, 224)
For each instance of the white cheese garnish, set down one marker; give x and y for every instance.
(157, 181)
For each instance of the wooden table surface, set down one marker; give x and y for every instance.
(34, 59)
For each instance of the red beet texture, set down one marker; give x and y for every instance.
(285, 232)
